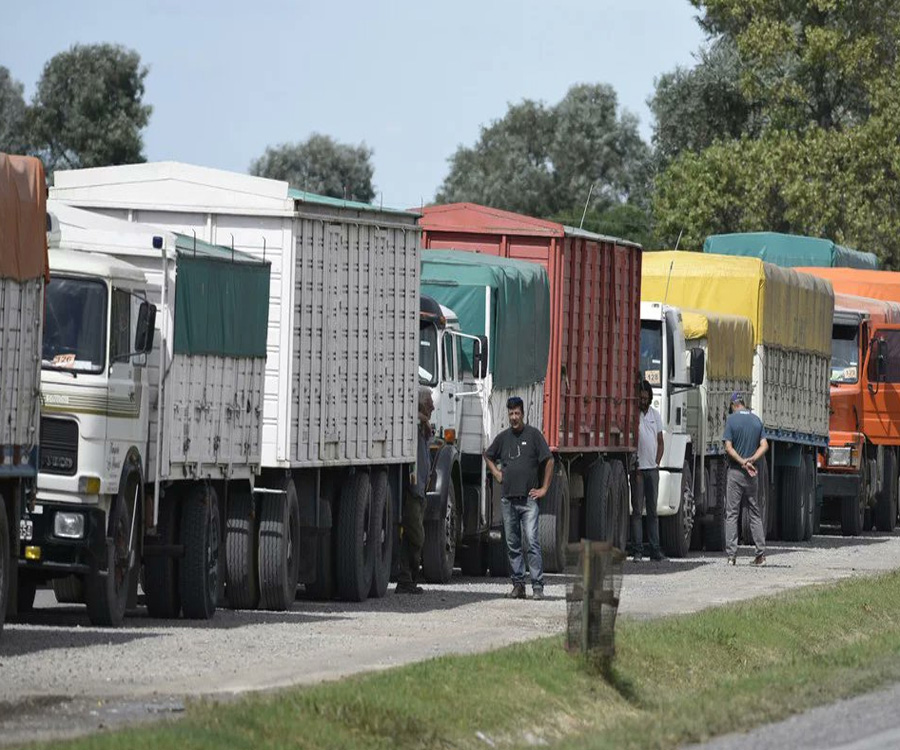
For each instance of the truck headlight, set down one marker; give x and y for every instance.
(68, 525)
(840, 456)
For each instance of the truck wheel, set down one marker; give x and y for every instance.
(886, 503)
(106, 596)
(618, 507)
(714, 529)
(5, 561)
(773, 507)
(809, 471)
(498, 557)
(323, 587)
(472, 558)
(598, 496)
(241, 554)
(675, 531)
(553, 523)
(853, 507)
(199, 570)
(439, 552)
(68, 590)
(792, 494)
(279, 556)
(382, 533)
(355, 547)
(161, 572)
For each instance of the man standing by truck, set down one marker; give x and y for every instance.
(521, 450)
(745, 445)
(650, 453)
(414, 503)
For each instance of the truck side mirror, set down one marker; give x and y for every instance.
(480, 357)
(880, 362)
(146, 325)
(698, 365)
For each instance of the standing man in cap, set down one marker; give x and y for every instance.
(646, 480)
(745, 445)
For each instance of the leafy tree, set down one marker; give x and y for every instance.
(694, 107)
(88, 111)
(321, 165)
(13, 113)
(543, 160)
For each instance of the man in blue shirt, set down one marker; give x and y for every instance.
(745, 445)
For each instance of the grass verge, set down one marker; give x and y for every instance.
(675, 680)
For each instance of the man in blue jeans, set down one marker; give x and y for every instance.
(515, 458)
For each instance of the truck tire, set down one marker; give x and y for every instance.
(323, 588)
(355, 547)
(68, 590)
(809, 471)
(598, 499)
(553, 523)
(853, 507)
(106, 596)
(886, 503)
(382, 533)
(439, 552)
(472, 558)
(498, 558)
(675, 531)
(618, 511)
(773, 506)
(279, 557)
(199, 569)
(714, 530)
(161, 572)
(792, 495)
(241, 554)
(5, 561)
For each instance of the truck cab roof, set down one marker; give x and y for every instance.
(85, 263)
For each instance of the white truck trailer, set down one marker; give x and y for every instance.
(23, 272)
(791, 315)
(152, 422)
(488, 305)
(339, 414)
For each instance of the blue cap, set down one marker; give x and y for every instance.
(737, 398)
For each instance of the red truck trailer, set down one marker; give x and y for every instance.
(591, 409)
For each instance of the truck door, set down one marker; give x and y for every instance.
(881, 385)
(449, 407)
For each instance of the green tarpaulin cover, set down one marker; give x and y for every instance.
(788, 250)
(221, 302)
(519, 328)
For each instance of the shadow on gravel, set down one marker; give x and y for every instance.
(831, 542)
(647, 567)
(21, 642)
(435, 597)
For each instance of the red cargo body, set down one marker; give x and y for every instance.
(590, 395)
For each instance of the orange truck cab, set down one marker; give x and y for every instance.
(858, 472)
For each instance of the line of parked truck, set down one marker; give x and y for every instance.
(208, 386)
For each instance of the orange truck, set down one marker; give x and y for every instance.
(858, 472)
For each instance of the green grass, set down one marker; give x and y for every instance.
(674, 680)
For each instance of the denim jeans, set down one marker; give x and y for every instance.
(644, 496)
(520, 521)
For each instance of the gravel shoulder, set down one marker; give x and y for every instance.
(60, 675)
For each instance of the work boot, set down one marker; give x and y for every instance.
(658, 556)
(759, 561)
(731, 561)
(537, 593)
(408, 588)
(518, 591)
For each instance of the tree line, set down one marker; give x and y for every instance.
(786, 122)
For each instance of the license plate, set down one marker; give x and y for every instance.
(26, 530)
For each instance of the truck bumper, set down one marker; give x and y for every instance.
(838, 485)
(57, 555)
(669, 498)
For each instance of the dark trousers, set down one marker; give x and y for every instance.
(644, 494)
(412, 539)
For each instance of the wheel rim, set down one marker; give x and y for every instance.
(121, 558)
(449, 536)
(687, 505)
(213, 551)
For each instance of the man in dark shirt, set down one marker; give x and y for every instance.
(745, 445)
(520, 450)
(413, 537)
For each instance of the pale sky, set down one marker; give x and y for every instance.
(411, 79)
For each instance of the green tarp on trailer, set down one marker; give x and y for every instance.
(519, 328)
(221, 301)
(788, 250)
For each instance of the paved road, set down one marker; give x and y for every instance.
(145, 669)
(869, 722)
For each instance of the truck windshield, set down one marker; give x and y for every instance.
(75, 325)
(652, 351)
(844, 354)
(428, 355)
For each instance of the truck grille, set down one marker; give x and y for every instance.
(59, 446)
